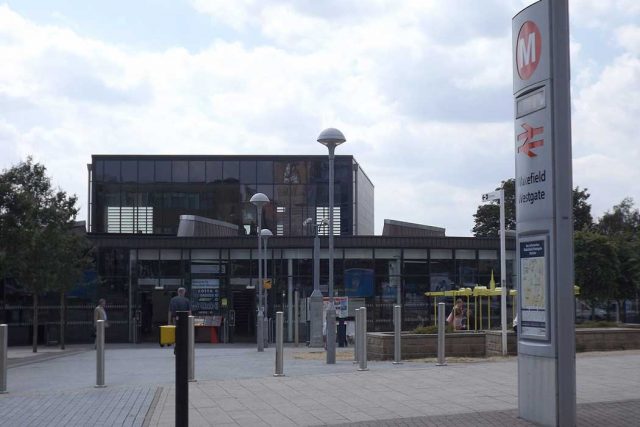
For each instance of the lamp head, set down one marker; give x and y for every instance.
(331, 137)
(259, 200)
(266, 233)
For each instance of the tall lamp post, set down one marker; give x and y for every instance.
(265, 234)
(259, 200)
(499, 196)
(331, 138)
(315, 339)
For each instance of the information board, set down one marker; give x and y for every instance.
(534, 285)
(205, 296)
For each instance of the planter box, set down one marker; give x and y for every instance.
(415, 346)
(603, 339)
(489, 343)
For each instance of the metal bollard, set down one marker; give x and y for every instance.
(356, 347)
(182, 361)
(279, 344)
(363, 340)
(397, 329)
(4, 340)
(192, 350)
(100, 354)
(296, 318)
(331, 334)
(441, 329)
(260, 330)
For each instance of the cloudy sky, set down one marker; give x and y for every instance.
(422, 89)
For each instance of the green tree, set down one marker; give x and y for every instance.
(596, 267)
(487, 216)
(74, 256)
(582, 219)
(34, 221)
(624, 220)
(622, 227)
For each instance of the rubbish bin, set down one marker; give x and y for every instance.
(167, 335)
(342, 333)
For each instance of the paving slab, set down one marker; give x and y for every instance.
(235, 386)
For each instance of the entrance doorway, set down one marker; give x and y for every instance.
(154, 312)
(244, 305)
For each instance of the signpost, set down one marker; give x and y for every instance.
(544, 225)
(499, 196)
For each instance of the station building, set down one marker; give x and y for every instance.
(162, 222)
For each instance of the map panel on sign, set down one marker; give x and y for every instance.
(533, 285)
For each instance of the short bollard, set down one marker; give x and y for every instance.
(363, 340)
(192, 349)
(441, 325)
(279, 344)
(397, 328)
(356, 347)
(100, 354)
(296, 318)
(4, 340)
(182, 362)
(260, 330)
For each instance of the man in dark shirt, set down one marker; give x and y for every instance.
(179, 303)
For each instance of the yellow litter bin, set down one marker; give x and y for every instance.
(167, 335)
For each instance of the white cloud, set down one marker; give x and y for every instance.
(421, 89)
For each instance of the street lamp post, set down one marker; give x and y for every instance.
(499, 195)
(331, 138)
(265, 234)
(259, 200)
(315, 309)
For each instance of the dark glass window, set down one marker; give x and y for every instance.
(416, 268)
(343, 170)
(231, 170)
(288, 172)
(171, 268)
(113, 262)
(196, 171)
(267, 190)
(248, 172)
(180, 171)
(214, 171)
(145, 171)
(163, 171)
(147, 268)
(98, 170)
(129, 171)
(112, 170)
(265, 172)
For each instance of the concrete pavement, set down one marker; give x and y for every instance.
(236, 387)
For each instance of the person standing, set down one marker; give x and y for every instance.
(179, 303)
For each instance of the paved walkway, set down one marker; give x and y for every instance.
(236, 387)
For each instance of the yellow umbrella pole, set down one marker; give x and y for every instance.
(475, 312)
(468, 320)
(489, 311)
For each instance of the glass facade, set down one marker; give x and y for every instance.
(137, 280)
(147, 194)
